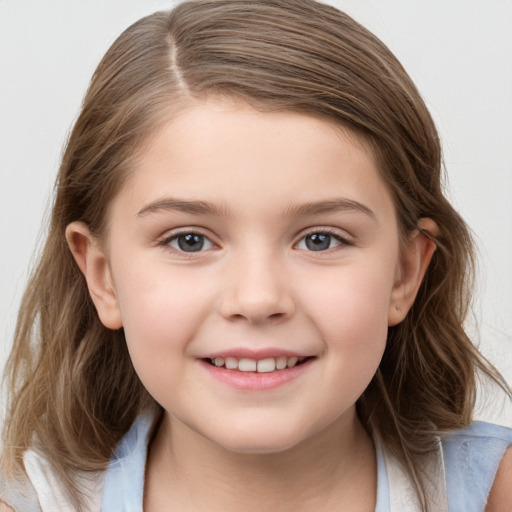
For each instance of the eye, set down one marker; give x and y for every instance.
(188, 242)
(319, 241)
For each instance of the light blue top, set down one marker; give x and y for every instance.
(471, 458)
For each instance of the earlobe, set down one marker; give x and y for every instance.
(414, 261)
(92, 261)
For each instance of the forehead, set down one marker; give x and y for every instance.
(232, 154)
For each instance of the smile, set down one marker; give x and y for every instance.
(256, 372)
(266, 365)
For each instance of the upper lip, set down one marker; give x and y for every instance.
(256, 354)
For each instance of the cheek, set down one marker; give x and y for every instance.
(351, 318)
(355, 304)
(160, 310)
(160, 318)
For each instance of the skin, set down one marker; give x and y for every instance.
(500, 497)
(255, 285)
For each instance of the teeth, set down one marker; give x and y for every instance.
(292, 362)
(267, 365)
(231, 363)
(247, 365)
(281, 363)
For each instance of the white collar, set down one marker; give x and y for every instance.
(401, 494)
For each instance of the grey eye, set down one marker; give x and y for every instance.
(190, 242)
(318, 242)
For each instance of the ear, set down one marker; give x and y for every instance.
(93, 262)
(415, 258)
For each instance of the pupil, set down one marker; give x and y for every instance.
(318, 242)
(191, 242)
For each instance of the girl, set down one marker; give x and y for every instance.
(253, 289)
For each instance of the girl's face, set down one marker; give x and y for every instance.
(245, 242)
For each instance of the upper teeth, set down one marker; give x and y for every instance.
(266, 365)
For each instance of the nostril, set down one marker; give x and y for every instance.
(256, 305)
(254, 318)
(277, 316)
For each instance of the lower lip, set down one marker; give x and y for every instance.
(253, 381)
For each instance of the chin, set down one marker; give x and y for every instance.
(260, 441)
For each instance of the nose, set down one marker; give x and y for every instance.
(256, 290)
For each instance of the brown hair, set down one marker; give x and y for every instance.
(71, 381)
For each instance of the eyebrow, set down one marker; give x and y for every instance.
(192, 207)
(206, 208)
(330, 206)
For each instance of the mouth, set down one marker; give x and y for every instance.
(266, 365)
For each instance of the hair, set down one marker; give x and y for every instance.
(71, 383)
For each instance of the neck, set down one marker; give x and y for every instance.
(329, 470)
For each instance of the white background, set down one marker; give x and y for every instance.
(459, 52)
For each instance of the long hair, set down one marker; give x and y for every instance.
(71, 382)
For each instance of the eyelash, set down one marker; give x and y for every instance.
(166, 242)
(342, 241)
(331, 233)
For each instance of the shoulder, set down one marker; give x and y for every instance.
(17, 495)
(476, 460)
(41, 489)
(500, 497)
(50, 491)
(481, 429)
(480, 441)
